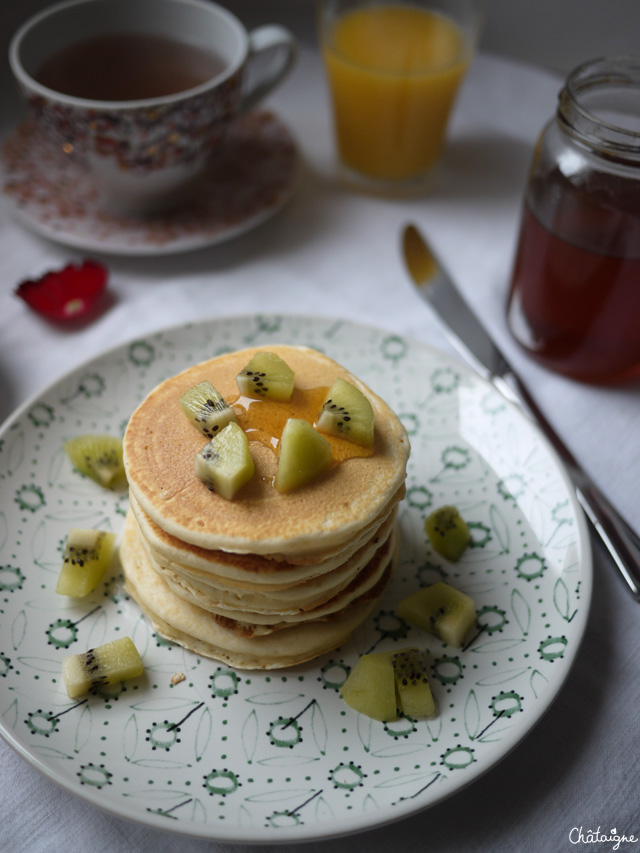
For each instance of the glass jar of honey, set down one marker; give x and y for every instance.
(574, 300)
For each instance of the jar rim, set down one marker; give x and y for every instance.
(617, 72)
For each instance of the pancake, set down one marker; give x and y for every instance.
(250, 571)
(193, 628)
(160, 445)
(304, 595)
(267, 579)
(279, 614)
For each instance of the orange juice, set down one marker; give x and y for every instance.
(394, 72)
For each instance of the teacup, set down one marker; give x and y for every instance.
(98, 79)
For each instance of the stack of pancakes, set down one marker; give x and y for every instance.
(265, 580)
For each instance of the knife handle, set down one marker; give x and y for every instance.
(620, 540)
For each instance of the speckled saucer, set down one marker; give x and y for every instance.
(52, 193)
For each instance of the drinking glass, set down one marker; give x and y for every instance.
(394, 70)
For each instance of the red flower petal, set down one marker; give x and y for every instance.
(68, 293)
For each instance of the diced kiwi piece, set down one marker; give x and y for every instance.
(225, 463)
(304, 454)
(87, 555)
(412, 683)
(442, 610)
(347, 413)
(206, 408)
(110, 663)
(448, 532)
(371, 688)
(97, 456)
(266, 376)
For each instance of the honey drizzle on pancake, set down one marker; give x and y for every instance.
(264, 420)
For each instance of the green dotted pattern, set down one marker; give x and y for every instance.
(253, 756)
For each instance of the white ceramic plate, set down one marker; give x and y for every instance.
(52, 193)
(255, 757)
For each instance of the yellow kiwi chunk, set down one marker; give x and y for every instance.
(412, 684)
(371, 688)
(225, 464)
(442, 610)
(267, 377)
(448, 532)
(87, 555)
(206, 408)
(110, 663)
(347, 413)
(304, 454)
(98, 457)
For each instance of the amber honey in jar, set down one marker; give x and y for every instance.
(574, 300)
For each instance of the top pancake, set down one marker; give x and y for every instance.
(160, 445)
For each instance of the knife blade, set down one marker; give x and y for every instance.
(476, 346)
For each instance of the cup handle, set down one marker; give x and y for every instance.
(263, 40)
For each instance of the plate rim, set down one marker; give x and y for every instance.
(354, 825)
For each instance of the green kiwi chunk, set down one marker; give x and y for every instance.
(225, 463)
(267, 377)
(87, 555)
(347, 413)
(304, 454)
(98, 457)
(448, 532)
(110, 663)
(206, 408)
(442, 610)
(412, 684)
(371, 688)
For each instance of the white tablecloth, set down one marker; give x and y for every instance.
(333, 252)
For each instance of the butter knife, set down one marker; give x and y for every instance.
(476, 346)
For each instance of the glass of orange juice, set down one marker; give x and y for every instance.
(394, 70)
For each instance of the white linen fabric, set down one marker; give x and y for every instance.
(334, 252)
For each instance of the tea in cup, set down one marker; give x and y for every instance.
(394, 70)
(143, 90)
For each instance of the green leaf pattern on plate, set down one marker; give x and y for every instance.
(269, 756)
